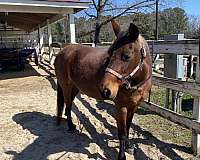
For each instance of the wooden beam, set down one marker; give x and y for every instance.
(12, 33)
(53, 19)
(173, 116)
(182, 86)
(183, 47)
(30, 21)
(196, 110)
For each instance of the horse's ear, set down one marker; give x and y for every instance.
(133, 31)
(116, 27)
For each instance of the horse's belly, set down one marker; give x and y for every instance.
(90, 90)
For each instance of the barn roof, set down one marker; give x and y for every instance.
(28, 14)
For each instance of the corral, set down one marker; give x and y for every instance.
(28, 129)
(28, 100)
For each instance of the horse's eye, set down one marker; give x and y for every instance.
(125, 56)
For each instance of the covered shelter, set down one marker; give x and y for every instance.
(19, 17)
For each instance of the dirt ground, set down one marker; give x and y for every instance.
(28, 130)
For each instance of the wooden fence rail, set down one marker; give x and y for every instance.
(184, 47)
(184, 121)
(182, 86)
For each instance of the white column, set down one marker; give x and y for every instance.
(40, 43)
(196, 113)
(41, 37)
(72, 28)
(49, 32)
(50, 40)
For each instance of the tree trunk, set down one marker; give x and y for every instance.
(97, 33)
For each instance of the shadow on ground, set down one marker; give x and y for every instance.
(149, 139)
(12, 74)
(55, 139)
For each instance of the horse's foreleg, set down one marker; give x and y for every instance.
(60, 104)
(129, 147)
(70, 95)
(122, 131)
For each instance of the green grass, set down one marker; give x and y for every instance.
(162, 128)
(158, 96)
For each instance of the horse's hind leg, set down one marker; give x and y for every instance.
(60, 104)
(71, 93)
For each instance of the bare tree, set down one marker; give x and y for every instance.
(193, 27)
(101, 8)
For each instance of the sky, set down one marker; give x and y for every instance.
(192, 7)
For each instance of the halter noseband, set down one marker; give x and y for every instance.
(126, 79)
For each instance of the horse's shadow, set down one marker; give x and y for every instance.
(53, 139)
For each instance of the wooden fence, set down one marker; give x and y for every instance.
(182, 47)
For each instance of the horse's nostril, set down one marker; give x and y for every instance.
(106, 93)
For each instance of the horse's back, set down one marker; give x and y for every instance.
(82, 66)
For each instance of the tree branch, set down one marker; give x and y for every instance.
(125, 11)
(90, 15)
(94, 4)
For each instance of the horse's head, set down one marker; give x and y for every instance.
(125, 59)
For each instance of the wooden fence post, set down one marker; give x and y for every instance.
(196, 110)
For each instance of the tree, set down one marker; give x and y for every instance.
(193, 27)
(172, 21)
(100, 8)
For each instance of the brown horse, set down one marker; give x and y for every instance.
(123, 74)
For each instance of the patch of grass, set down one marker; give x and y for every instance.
(158, 96)
(163, 129)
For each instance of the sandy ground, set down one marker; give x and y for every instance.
(28, 130)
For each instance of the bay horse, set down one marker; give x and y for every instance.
(122, 73)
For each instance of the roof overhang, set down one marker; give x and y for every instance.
(33, 6)
(29, 14)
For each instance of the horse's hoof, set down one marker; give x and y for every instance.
(130, 149)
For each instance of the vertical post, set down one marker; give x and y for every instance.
(49, 32)
(66, 17)
(167, 98)
(196, 110)
(156, 34)
(41, 42)
(156, 38)
(174, 68)
(49, 39)
(72, 28)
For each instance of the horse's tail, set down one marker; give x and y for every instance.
(60, 103)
